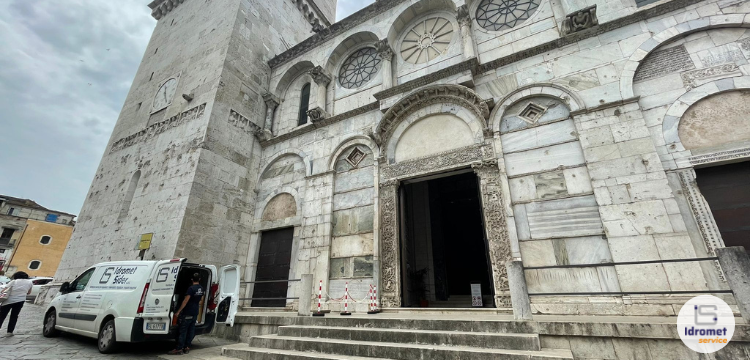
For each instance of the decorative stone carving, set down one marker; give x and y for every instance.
(433, 94)
(159, 8)
(703, 216)
(434, 163)
(158, 128)
(745, 44)
(241, 122)
(532, 112)
(312, 13)
(495, 224)
(271, 103)
(384, 50)
(580, 20)
(695, 78)
(320, 76)
(719, 156)
(462, 15)
(317, 114)
(390, 297)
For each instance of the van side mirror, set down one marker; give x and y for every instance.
(65, 288)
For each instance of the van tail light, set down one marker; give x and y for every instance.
(143, 299)
(212, 297)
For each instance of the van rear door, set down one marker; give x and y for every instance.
(228, 294)
(158, 299)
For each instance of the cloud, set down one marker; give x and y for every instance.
(65, 70)
(61, 91)
(348, 7)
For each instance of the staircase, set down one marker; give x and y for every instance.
(383, 338)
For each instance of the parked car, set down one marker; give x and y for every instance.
(38, 282)
(135, 301)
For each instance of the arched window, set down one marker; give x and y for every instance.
(45, 240)
(35, 265)
(129, 195)
(304, 103)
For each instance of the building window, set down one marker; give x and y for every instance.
(496, 15)
(7, 233)
(304, 103)
(35, 265)
(359, 68)
(11, 210)
(426, 40)
(45, 240)
(51, 218)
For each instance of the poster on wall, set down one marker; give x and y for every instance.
(476, 295)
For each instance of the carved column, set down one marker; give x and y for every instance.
(703, 216)
(272, 102)
(497, 232)
(322, 79)
(464, 21)
(390, 296)
(386, 54)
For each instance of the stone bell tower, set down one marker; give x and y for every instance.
(182, 161)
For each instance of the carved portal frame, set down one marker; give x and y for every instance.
(479, 156)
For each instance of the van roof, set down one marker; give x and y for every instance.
(128, 262)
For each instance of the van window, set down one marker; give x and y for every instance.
(83, 280)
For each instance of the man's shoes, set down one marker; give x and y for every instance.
(175, 352)
(186, 350)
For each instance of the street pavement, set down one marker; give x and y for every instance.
(28, 343)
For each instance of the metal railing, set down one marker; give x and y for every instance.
(5, 242)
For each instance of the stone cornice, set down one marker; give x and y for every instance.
(470, 64)
(312, 13)
(159, 8)
(376, 8)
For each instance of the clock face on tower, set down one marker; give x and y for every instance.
(165, 94)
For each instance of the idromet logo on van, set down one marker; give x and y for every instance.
(120, 277)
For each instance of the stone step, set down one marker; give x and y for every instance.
(409, 336)
(381, 322)
(246, 352)
(401, 351)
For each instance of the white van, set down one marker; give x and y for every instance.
(134, 301)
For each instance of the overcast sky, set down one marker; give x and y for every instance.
(65, 69)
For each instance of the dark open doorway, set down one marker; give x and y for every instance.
(443, 245)
(274, 258)
(727, 190)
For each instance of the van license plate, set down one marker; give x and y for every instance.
(156, 326)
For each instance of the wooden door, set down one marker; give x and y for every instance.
(727, 190)
(273, 264)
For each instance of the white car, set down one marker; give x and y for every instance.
(135, 301)
(38, 282)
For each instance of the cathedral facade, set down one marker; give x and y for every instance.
(422, 146)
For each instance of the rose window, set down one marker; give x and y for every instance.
(359, 68)
(427, 40)
(495, 15)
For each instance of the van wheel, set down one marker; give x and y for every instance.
(107, 342)
(49, 325)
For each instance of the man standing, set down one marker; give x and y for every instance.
(187, 315)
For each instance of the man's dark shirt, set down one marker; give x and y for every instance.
(196, 293)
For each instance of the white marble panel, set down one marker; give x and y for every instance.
(522, 189)
(539, 136)
(577, 180)
(549, 158)
(564, 218)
